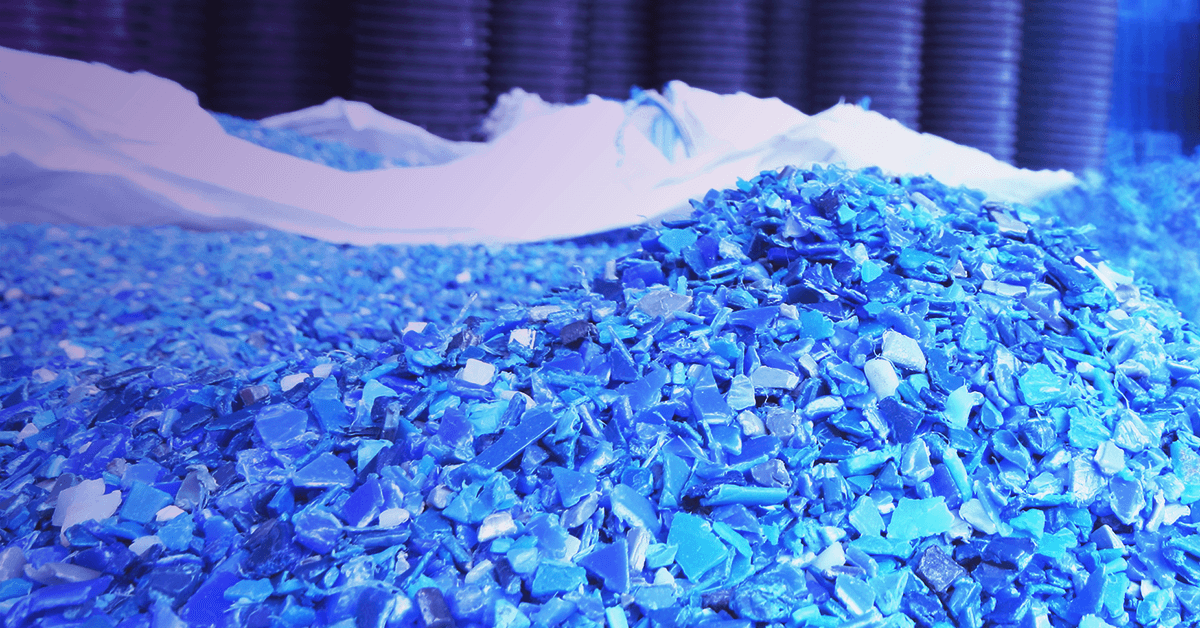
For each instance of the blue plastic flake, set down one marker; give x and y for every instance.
(533, 425)
(611, 564)
(143, 503)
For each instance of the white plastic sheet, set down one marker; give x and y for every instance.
(87, 144)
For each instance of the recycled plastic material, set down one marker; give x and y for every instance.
(90, 145)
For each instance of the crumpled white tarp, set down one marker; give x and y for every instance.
(87, 144)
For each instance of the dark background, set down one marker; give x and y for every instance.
(1038, 83)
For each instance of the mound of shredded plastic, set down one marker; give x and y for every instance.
(1147, 216)
(829, 398)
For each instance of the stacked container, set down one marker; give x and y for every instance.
(618, 54)
(869, 49)
(169, 39)
(971, 73)
(717, 45)
(789, 40)
(425, 63)
(1066, 83)
(539, 46)
(89, 30)
(273, 56)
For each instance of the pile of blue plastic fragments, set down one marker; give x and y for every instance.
(1156, 202)
(830, 398)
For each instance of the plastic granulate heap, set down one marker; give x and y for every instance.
(828, 398)
(1155, 203)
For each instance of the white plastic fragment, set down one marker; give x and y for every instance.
(509, 394)
(29, 430)
(477, 573)
(975, 514)
(523, 337)
(417, 326)
(903, 351)
(830, 557)
(881, 377)
(959, 404)
(495, 526)
(73, 351)
(168, 513)
(393, 517)
(1110, 458)
(142, 544)
(12, 563)
(771, 377)
(960, 530)
(288, 382)
(85, 501)
(43, 375)
(52, 573)
(751, 425)
(1173, 512)
(638, 539)
(662, 576)
(540, 313)
(1003, 289)
(477, 372)
(322, 370)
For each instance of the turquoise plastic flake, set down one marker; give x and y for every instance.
(676, 240)
(556, 577)
(918, 518)
(176, 534)
(728, 494)
(250, 591)
(865, 517)
(870, 270)
(815, 325)
(699, 550)
(1039, 385)
(659, 555)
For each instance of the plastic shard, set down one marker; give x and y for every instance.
(699, 549)
(902, 351)
(534, 424)
(85, 501)
(326, 470)
(918, 518)
(611, 563)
